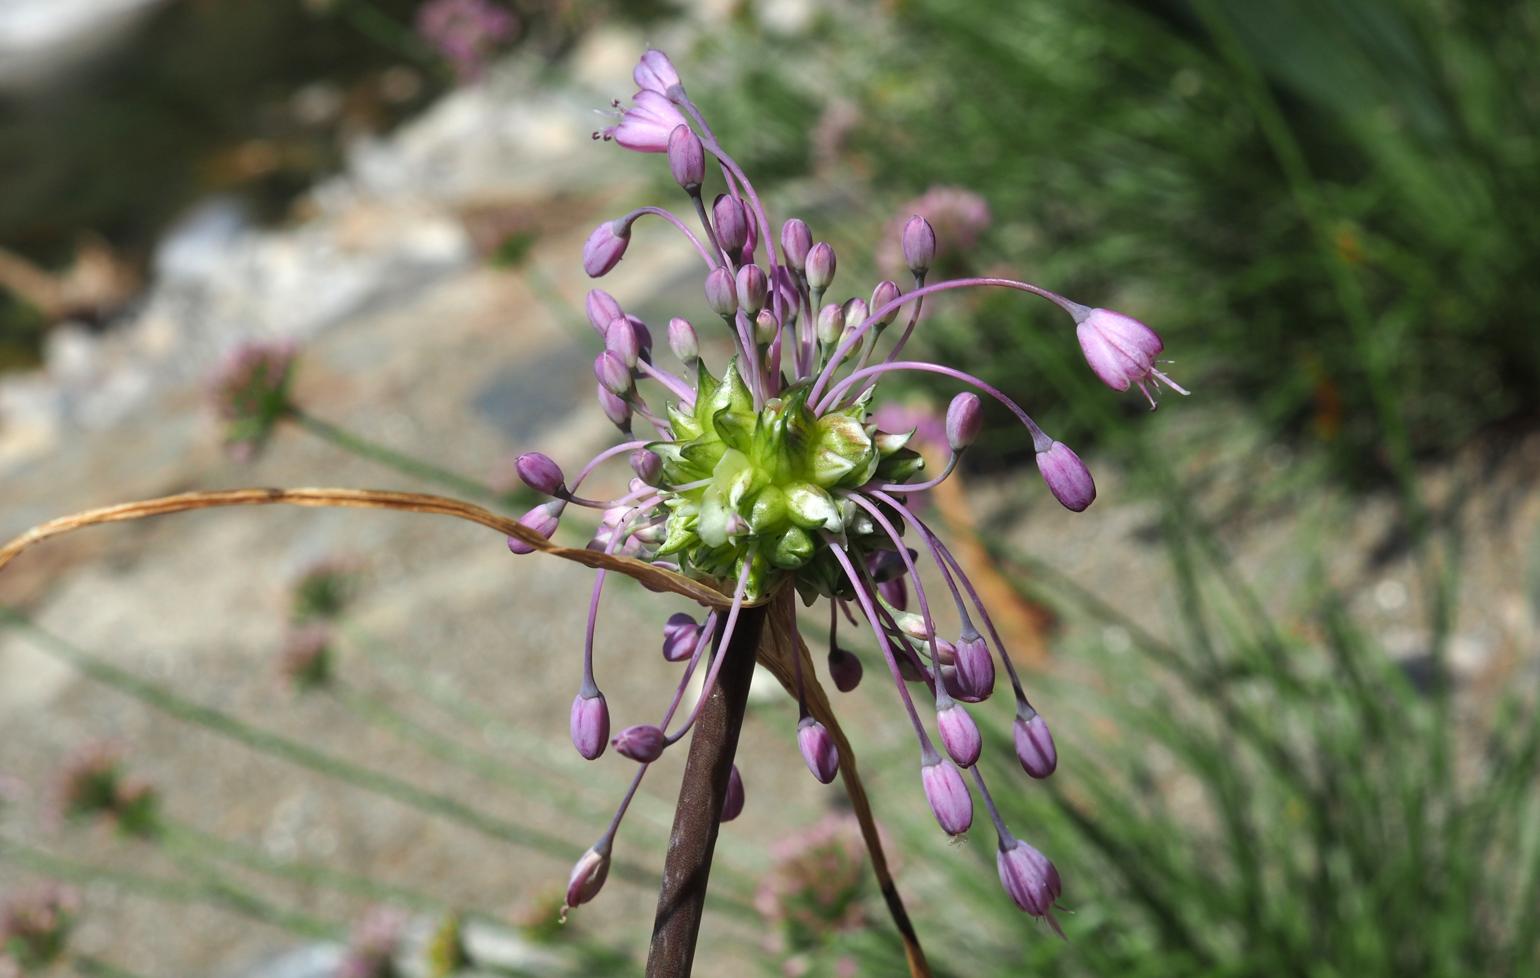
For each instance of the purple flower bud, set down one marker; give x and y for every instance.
(1067, 477)
(750, 239)
(818, 749)
(947, 794)
(963, 418)
(919, 245)
(895, 593)
(1034, 745)
(540, 473)
(680, 635)
(831, 325)
(845, 669)
(542, 520)
(796, 242)
(732, 805)
(647, 466)
(959, 734)
(753, 288)
(732, 223)
(884, 293)
(646, 124)
(602, 310)
(975, 676)
(643, 338)
(605, 247)
(856, 312)
(1030, 880)
(588, 875)
(643, 742)
(683, 341)
(1121, 351)
(590, 723)
(766, 326)
(820, 266)
(886, 565)
(686, 159)
(614, 376)
(655, 73)
(621, 339)
(946, 652)
(615, 408)
(722, 293)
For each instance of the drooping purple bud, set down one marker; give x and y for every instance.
(602, 310)
(796, 242)
(615, 408)
(1121, 351)
(975, 676)
(820, 266)
(886, 565)
(750, 240)
(732, 223)
(895, 593)
(540, 472)
(621, 340)
(590, 723)
(946, 652)
(919, 245)
(681, 633)
(855, 312)
(588, 875)
(959, 734)
(765, 326)
(831, 325)
(647, 466)
(655, 73)
(914, 626)
(722, 293)
(1067, 477)
(683, 341)
(605, 247)
(963, 417)
(732, 805)
(884, 293)
(686, 159)
(643, 338)
(614, 376)
(543, 520)
(818, 749)
(845, 669)
(1029, 879)
(947, 794)
(1034, 744)
(753, 288)
(643, 742)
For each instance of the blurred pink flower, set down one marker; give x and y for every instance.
(466, 32)
(958, 215)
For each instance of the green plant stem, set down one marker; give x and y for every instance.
(183, 852)
(390, 458)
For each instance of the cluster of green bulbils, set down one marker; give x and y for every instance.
(763, 489)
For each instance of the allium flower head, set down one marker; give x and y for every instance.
(466, 32)
(816, 886)
(35, 926)
(250, 392)
(772, 466)
(93, 785)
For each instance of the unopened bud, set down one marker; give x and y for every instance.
(946, 652)
(540, 473)
(750, 240)
(753, 288)
(1067, 477)
(681, 634)
(959, 734)
(588, 876)
(542, 521)
(683, 341)
(830, 326)
(686, 159)
(622, 340)
(856, 313)
(643, 742)
(845, 669)
(590, 723)
(1034, 744)
(895, 593)
(947, 794)
(722, 293)
(975, 675)
(796, 242)
(655, 73)
(919, 245)
(963, 417)
(615, 408)
(602, 310)
(886, 565)
(820, 266)
(914, 626)
(732, 223)
(647, 466)
(1029, 879)
(818, 749)
(605, 247)
(882, 295)
(732, 805)
(613, 373)
(765, 327)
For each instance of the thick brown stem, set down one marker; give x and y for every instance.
(687, 867)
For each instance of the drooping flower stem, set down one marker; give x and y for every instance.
(702, 792)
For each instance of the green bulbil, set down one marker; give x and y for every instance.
(763, 483)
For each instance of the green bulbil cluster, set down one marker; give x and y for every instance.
(763, 487)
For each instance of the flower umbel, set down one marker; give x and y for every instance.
(761, 469)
